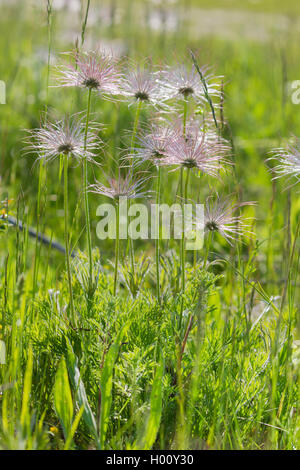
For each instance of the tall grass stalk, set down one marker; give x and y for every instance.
(85, 22)
(41, 172)
(49, 24)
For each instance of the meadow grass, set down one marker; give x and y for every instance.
(212, 366)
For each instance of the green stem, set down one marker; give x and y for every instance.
(183, 201)
(195, 260)
(157, 240)
(209, 242)
(49, 23)
(35, 270)
(182, 225)
(86, 199)
(135, 126)
(132, 144)
(182, 250)
(85, 22)
(67, 236)
(185, 110)
(117, 245)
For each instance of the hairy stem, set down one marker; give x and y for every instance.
(184, 194)
(86, 199)
(132, 144)
(157, 240)
(67, 237)
(35, 269)
(117, 245)
(135, 126)
(185, 111)
(209, 242)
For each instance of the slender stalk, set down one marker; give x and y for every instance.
(157, 240)
(185, 111)
(183, 198)
(185, 104)
(86, 199)
(85, 22)
(135, 126)
(183, 201)
(195, 251)
(67, 236)
(132, 144)
(35, 269)
(209, 242)
(43, 180)
(195, 260)
(183, 224)
(49, 23)
(117, 246)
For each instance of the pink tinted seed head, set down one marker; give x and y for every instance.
(154, 143)
(182, 83)
(289, 162)
(198, 149)
(220, 216)
(66, 136)
(131, 186)
(141, 84)
(97, 71)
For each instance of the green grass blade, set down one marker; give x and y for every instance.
(205, 88)
(106, 385)
(80, 393)
(153, 422)
(63, 403)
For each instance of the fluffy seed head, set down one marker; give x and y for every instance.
(130, 186)
(141, 84)
(198, 149)
(63, 137)
(181, 82)
(289, 162)
(96, 71)
(220, 216)
(154, 143)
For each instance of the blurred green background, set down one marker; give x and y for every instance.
(253, 44)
